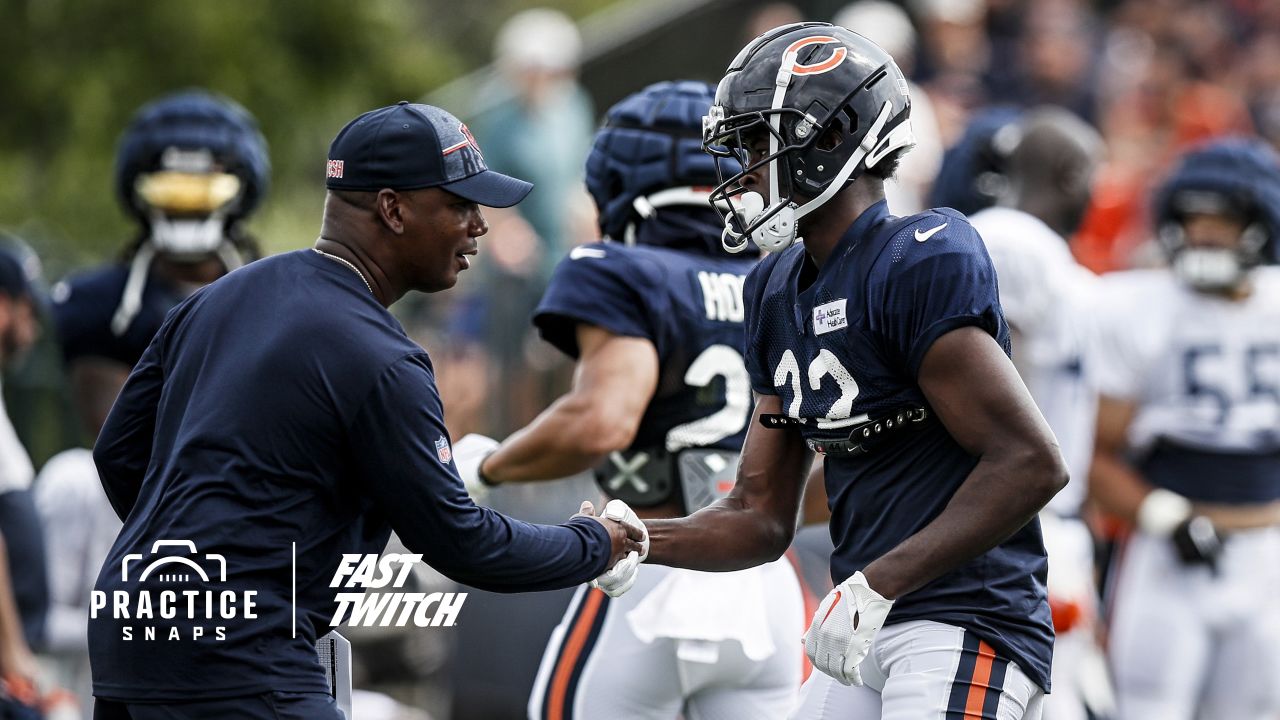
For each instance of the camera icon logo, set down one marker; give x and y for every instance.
(180, 567)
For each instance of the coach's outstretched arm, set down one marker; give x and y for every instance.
(401, 443)
(975, 391)
(756, 522)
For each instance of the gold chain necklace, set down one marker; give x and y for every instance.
(354, 269)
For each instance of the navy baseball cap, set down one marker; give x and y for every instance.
(409, 146)
(20, 272)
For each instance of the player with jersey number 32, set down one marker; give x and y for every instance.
(880, 343)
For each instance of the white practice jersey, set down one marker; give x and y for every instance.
(1204, 372)
(16, 471)
(1045, 295)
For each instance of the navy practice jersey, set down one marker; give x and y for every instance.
(84, 304)
(846, 344)
(689, 305)
(283, 405)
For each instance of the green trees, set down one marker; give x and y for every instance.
(75, 70)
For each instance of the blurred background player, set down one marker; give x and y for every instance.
(1040, 185)
(24, 590)
(19, 521)
(658, 409)
(190, 168)
(878, 342)
(1188, 445)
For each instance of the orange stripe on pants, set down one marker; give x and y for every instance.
(572, 650)
(810, 607)
(981, 682)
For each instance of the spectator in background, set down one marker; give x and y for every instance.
(543, 130)
(540, 129)
(888, 26)
(953, 59)
(1162, 86)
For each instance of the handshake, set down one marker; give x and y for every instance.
(627, 534)
(625, 531)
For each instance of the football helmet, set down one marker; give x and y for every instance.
(820, 105)
(973, 170)
(647, 173)
(1235, 177)
(189, 167)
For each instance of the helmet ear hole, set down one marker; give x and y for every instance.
(833, 136)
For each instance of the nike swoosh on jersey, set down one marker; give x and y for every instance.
(580, 252)
(922, 236)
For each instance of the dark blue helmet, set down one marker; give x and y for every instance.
(823, 105)
(647, 172)
(193, 120)
(972, 172)
(1238, 177)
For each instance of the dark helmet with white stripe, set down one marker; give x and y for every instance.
(820, 105)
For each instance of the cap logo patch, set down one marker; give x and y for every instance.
(831, 63)
(467, 139)
(334, 169)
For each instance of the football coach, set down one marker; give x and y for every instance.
(280, 418)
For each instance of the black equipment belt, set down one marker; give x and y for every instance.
(864, 437)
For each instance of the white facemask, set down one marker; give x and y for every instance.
(1209, 269)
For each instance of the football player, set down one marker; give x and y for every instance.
(880, 343)
(190, 168)
(1042, 189)
(653, 317)
(1188, 445)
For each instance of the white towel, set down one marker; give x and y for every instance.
(708, 606)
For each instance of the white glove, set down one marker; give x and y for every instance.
(467, 454)
(618, 579)
(844, 626)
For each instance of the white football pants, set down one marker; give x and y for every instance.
(1186, 643)
(710, 646)
(924, 670)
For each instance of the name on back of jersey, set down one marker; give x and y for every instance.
(722, 295)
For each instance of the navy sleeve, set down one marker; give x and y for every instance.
(123, 449)
(753, 354)
(406, 464)
(604, 286)
(921, 290)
